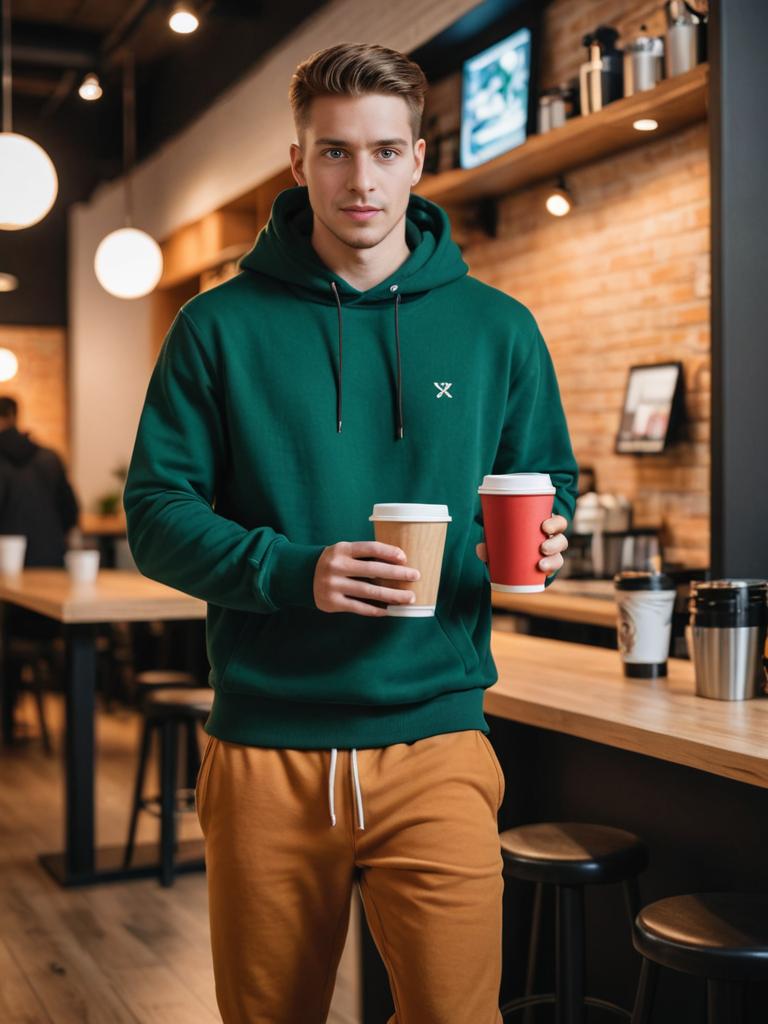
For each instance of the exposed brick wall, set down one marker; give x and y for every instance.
(40, 383)
(623, 279)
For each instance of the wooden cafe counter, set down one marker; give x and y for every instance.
(579, 741)
(581, 690)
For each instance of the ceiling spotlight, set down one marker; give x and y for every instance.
(8, 282)
(90, 87)
(645, 124)
(183, 19)
(559, 201)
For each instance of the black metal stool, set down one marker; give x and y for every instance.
(570, 855)
(720, 936)
(166, 711)
(172, 678)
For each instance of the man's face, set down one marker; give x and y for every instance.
(358, 151)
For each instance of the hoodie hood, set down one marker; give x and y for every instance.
(283, 251)
(16, 447)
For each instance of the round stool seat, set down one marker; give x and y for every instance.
(165, 677)
(176, 702)
(572, 853)
(713, 934)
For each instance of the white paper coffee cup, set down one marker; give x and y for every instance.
(645, 602)
(13, 550)
(82, 564)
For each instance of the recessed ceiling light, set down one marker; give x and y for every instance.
(90, 87)
(183, 19)
(8, 282)
(645, 124)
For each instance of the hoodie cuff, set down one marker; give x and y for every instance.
(287, 578)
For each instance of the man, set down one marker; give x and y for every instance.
(36, 498)
(283, 405)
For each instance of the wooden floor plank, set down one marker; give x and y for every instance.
(125, 953)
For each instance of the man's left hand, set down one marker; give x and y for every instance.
(551, 548)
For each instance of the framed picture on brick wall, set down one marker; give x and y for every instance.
(653, 408)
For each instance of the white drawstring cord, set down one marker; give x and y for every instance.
(358, 794)
(331, 779)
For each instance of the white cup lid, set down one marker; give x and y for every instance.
(398, 510)
(516, 483)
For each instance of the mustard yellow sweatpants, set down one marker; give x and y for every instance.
(288, 833)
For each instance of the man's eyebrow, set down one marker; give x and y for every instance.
(345, 144)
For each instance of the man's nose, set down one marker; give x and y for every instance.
(360, 174)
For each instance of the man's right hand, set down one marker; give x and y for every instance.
(338, 586)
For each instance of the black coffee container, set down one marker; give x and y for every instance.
(727, 631)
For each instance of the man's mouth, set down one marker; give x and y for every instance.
(361, 212)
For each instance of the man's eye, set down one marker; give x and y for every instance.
(332, 151)
(394, 153)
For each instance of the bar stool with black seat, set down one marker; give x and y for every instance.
(166, 711)
(146, 681)
(719, 936)
(570, 856)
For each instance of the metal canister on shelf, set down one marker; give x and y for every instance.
(686, 42)
(643, 63)
(726, 637)
(556, 105)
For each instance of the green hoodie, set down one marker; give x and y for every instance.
(284, 403)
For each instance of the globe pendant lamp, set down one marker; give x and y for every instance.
(28, 180)
(128, 262)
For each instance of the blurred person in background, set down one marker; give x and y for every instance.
(36, 500)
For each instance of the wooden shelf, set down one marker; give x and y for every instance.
(674, 103)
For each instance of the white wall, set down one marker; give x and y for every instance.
(239, 141)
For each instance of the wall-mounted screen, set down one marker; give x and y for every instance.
(495, 99)
(652, 408)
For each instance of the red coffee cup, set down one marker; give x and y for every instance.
(514, 507)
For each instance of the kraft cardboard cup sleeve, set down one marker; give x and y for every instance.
(420, 531)
(645, 602)
(514, 507)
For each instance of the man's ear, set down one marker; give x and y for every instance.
(419, 151)
(297, 164)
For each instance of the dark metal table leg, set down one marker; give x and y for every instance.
(78, 753)
(82, 863)
(7, 685)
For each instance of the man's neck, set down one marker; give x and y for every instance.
(362, 268)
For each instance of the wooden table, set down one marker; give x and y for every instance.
(118, 595)
(582, 690)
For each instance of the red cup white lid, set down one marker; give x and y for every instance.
(397, 511)
(516, 483)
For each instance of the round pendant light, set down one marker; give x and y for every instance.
(128, 263)
(28, 180)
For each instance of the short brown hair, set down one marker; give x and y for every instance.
(357, 69)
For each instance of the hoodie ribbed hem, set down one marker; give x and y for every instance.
(264, 722)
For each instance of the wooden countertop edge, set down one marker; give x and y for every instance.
(741, 766)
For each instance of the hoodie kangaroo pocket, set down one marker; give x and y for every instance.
(307, 655)
(457, 634)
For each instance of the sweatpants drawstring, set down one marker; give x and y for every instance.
(358, 794)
